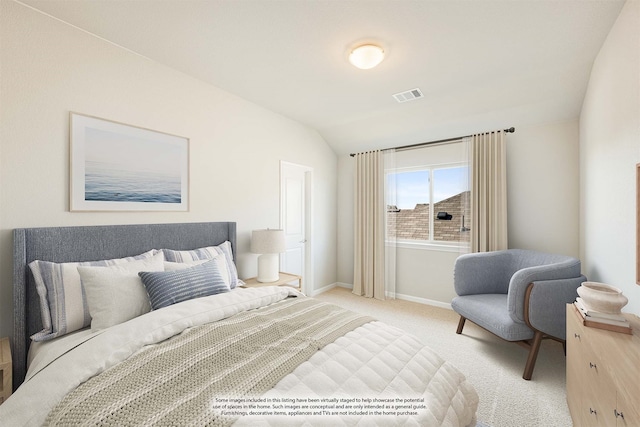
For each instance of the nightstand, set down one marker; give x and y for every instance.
(284, 280)
(6, 375)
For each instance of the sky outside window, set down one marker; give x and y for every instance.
(407, 189)
(448, 182)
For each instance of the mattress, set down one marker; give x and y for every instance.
(368, 373)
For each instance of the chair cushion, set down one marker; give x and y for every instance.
(490, 312)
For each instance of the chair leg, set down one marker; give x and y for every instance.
(460, 325)
(533, 355)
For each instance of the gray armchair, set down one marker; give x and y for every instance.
(518, 295)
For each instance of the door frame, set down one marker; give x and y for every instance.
(307, 280)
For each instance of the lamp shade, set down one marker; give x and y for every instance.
(269, 241)
(366, 56)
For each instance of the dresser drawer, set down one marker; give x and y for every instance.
(574, 367)
(598, 391)
(602, 385)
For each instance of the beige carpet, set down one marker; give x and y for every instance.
(492, 365)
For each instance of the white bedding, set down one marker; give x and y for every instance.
(39, 349)
(373, 362)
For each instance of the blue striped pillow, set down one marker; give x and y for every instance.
(223, 251)
(63, 303)
(170, 287)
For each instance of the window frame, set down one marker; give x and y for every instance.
(431, 244)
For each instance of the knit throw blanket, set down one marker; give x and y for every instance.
(175, 382)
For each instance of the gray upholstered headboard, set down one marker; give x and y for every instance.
(91, 243)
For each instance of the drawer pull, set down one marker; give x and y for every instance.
(593, 411)
(593, 365)
(576, 335)
(618, 414)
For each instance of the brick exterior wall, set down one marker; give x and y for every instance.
(413, 224)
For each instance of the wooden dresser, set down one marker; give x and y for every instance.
(603, 374)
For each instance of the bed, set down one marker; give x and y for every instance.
(266, 356)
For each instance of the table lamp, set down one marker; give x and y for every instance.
(270, 243)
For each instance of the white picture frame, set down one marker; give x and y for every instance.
(119, 167)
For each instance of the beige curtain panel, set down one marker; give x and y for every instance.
(369, 224)
(488, 192)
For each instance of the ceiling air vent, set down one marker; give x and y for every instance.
(408, 95)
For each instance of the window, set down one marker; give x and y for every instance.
(429, 204)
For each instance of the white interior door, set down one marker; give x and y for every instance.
(295, 183)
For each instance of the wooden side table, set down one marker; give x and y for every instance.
(6, 374)
(284, 280)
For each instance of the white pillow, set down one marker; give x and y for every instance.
(116, 294)
(172, 266)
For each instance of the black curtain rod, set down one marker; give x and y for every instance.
(510, 130)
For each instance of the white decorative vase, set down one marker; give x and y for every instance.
(601, 297)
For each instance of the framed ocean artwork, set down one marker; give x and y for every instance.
(119, 167)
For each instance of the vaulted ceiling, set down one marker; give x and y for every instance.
(481, 64)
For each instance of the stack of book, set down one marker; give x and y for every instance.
(597, 319)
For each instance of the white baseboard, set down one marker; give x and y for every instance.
(344, 285)
(424, 301)
(398, 296)
(322, 290)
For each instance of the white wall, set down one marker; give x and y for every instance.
(543, 204)
(543, 188)
(609, 151)
(50, 69)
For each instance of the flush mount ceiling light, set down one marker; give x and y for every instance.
(366, 56)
